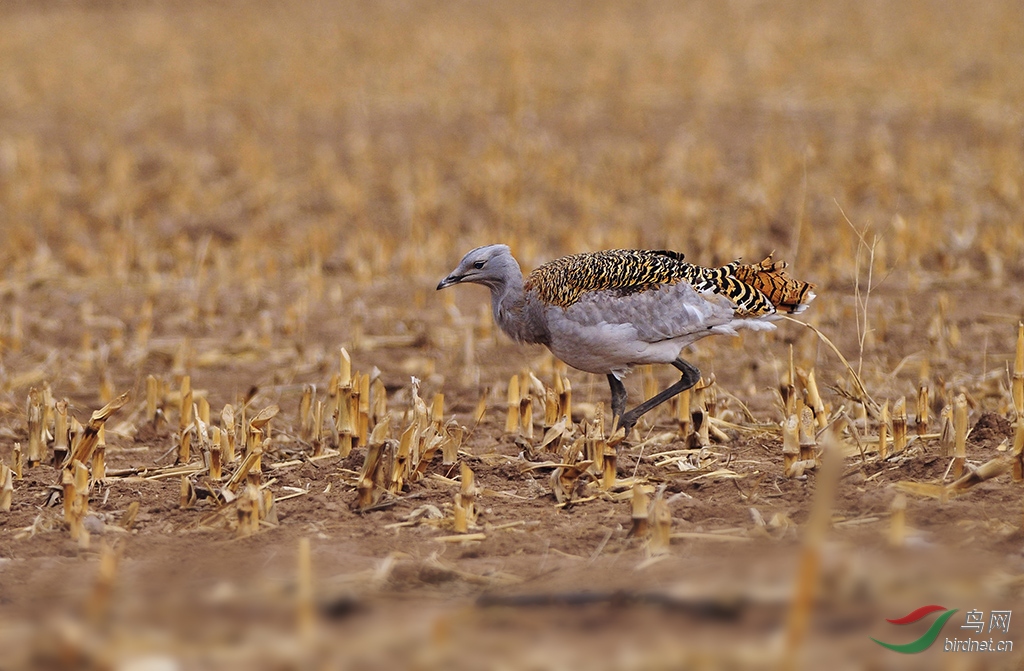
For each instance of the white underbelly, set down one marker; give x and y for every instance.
(615, 348)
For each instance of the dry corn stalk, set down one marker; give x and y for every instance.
(899, 426)
(481, 407)
(306, 413)
(898, 521)
(808, 440)
(814, 398)
(85, 442)
(6, 487)
(921, 422)
(550, 409)
(450, 447)
(76, 501)
(379, 401)
(662, 530)
(710, 396)
(410, 437)
(259, 432)
(367, 493)
(345, 420)
(1018, 452)
(216, 454)
(185, 421)
(464, 510)
(363, 408)
(512, 420)
(202, 410)
(608, 464)
(188, 493)
(437, 412)
(564, 398)
(566, 478)
(267, 507)
(808, 571)
(227, 434)
(641, 511)
(525, 409)
(594, 444)
(959, 435)
(60, 433)
(18, 460)
(241, 473)
(127, 520)
(701, 423)
(152, 391)
(1017, 385)
(449, 442)
(683, 417)
(990, 469)
(346, 410)
(553, 436)
(946, 436)
(790, 442)
(248, 510)
(99, 463)
(318, 429)
(400, 466)
(862, 418)
(98, 605)
(35, 428)
(883, 432)
(368, 488)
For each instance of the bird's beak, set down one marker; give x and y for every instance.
(448, 281)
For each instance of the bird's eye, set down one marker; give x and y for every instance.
(478, 265)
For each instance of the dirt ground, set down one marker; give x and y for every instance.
(233, 251)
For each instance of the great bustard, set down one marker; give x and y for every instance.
(605, 312)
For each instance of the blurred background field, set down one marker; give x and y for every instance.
(233, 191)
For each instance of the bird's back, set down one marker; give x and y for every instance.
(756, 290)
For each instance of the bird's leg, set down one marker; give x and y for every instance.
(618, 397)
(691, 376)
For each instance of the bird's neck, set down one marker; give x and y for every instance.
(516, 313)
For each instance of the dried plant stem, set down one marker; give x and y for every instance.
(960, 435)
(861, 300)
(810, 557)
(863, 396)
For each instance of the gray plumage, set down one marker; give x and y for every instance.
(605, 312)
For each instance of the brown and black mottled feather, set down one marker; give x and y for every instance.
(757, 289)
(770, 278)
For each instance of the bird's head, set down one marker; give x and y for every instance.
(491, 266)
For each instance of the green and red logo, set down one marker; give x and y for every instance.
(929, 636)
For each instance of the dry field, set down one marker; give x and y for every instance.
(202, 203)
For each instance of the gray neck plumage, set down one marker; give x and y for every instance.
(518, 313)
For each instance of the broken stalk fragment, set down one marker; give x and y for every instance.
(641, 512)
(883, 432)
(899, 426)
(790, 442)
(512, 420)
(960, 435)
(60, 433)
(34, 410)
(921, 421)
(185, 421)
